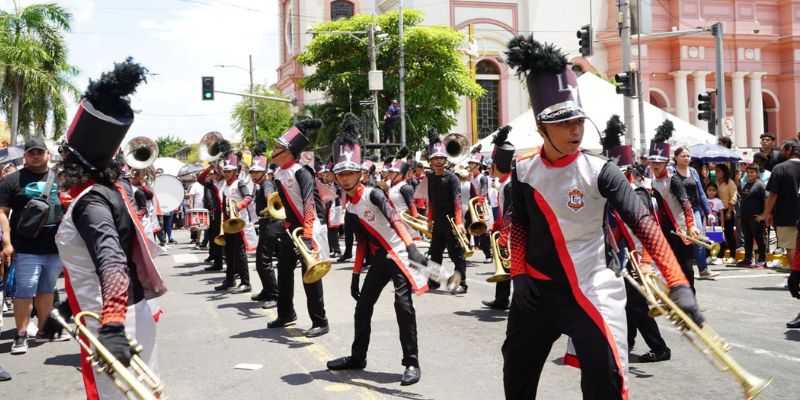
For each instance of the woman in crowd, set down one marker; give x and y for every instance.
(728, 194)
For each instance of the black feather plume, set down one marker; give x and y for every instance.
(502, 135)
(664, 132)
(224, 147)
(388, 160)
(350, 130)
(309, 126)
(529, 56)
(433, 136)
(476, 149)
(109, 94)
(614, 131)
(373, 158)
(402, 153)
(259, 148)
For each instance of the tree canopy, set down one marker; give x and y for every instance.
(436, 73)
(168, 145)
(272, 117)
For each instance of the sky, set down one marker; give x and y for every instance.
(179, 41)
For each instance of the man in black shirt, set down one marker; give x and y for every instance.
(769, 150)
(781, 208)
(753, 194)
(269, 231)
(35, 259)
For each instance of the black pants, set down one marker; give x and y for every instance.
(236, 259)
(348, 239)
(333, 240)
(684, 254)
(382, 271)
(314, 299)
(636, 311)
(269, 232)
(730, 241)
(214, 250)
(481, 241)
(442, 236)
(753, 230)
(529, 338)
(502, 292)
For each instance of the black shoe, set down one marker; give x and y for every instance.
(410, 376)
(433, 284)
(259, 297)
(173, 241)
(335, 254)
(242, 288)
(344, 257)
(213, 268)
(655, 356)
(281, 322)
(269, 304)
(496, 305)
(795, 323)
(460, 290)
(209, 259)
(224, 286)
(317, 331)
(346, 362)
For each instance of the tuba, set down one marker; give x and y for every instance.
(137, 381)
(233, 224)
(462, 239)
(418, 223)
(316, 267)
(704, 339)
(208, 150)
(501, 264)
(477, 214)
(702, 241)
(274, 207)
(457, 147)
(140, 152)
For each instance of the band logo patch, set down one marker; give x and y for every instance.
(290, 183)
(369, 216)
(575, 196)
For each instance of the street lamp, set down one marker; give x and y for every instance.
(252, 99)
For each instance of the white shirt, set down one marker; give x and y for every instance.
(197, 191)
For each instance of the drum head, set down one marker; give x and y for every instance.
(169, 190)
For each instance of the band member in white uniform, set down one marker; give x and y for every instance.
(401, 193)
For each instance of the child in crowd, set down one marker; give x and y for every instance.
(752, 204)
(716, 211)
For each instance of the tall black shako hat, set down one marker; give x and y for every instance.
(621, 154)
(400, 164)
(552, 85)
(659, 148)
(104, 114)
(346, 150)
(435, 146)
(259, 162)
(297, 137)
(503, 153)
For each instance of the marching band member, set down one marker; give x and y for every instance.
(401, 193)
(213, 202)
(380, 232)
(479, 187)
(502, 160)
(559, 259)
(331, 202)
(107, 256)
(269, 229)
(298, 191)
(674, 208)
(443, 191)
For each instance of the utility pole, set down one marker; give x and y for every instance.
(253, 103)
(642, 137)
(624, 21)
(372, 68)
(402, 79)
(716, 30)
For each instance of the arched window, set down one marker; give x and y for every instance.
(488, 105)
(341, 9)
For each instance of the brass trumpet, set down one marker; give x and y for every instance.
(501, 264)
(418, 223)
(219, 240)
(462, 239)
(275, 206)
(704, 339)
(137, 381)
(702, 241)
(316, 267)
(233, 224)
(477, 214)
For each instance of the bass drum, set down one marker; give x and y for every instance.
(169, 190)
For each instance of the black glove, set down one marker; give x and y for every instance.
(415, 256)
(526, 294)
(354, 292)
(794, 283)
(112, 335)
(683, 296)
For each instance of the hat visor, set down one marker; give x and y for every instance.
(346, 166)
(434, 155)
(657, 159)
(561, 115)
(257, 169)
(230, 168)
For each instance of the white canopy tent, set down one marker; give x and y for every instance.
(600, 101)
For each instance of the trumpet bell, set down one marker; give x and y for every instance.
(497, 278)
(219, 240)
(457, 147)
(140, 152)
(275, 206)
(316, 266)
(233, 225)
(714, 250)
(316, 271)
(477, 228)
(208, 150)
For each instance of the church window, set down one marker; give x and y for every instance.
(341, 9)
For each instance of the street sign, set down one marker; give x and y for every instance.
(728, 126)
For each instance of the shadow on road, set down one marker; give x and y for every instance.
(793, 335)
(355, 378)
(484, 315)
(285, 336)
(67, 360)
(245, 309)
(769, 289)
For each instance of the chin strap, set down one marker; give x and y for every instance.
(547, 136)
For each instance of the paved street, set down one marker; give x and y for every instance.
(204, 334)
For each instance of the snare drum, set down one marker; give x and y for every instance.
(197, 219)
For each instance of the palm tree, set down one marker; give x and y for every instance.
(33, 57)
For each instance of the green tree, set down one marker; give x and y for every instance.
(36, 75)
(272, 117)
(168, 145)
(436, 73)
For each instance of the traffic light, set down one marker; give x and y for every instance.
(585, 42)
(627, 83)
(208, 88)
(705, 110)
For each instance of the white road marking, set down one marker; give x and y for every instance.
(749, 276)
(185, 258)
(774, 354)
